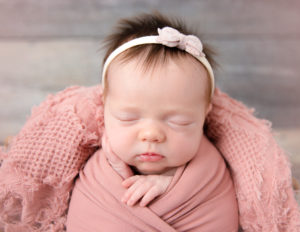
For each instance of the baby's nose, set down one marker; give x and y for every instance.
(151, 134)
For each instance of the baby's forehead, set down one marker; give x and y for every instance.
(122, 68)
(178, 76)
(141, 63)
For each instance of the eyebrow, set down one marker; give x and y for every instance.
(127, 108)
(167, 113)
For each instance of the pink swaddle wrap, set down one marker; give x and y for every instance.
(201, 197)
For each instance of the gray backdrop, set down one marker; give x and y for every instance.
(47, 45)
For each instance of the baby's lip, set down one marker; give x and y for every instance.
(150, 157)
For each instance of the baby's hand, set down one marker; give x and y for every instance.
(144, 187)
(117, 164)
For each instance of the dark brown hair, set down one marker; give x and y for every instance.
(145, 25)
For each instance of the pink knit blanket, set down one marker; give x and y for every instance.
(200, 197)
(38, 171)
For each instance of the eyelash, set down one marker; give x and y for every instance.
(171, 123)
(180, 123)
(126, 119)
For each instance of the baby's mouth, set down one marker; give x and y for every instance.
(150, 157)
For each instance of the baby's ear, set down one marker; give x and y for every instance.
(208, 109)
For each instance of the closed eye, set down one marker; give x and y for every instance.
(126, 119)
(180, 123)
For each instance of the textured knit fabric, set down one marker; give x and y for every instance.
(44, 158)
(201, 197)
(38, 172)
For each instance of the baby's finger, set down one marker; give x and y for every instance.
(130, 192)
(130, 181)
(150, 195)
(137, 195)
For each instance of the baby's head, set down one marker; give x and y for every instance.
(156, 97)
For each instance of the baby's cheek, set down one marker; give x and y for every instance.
(187, 146)
(120, 141)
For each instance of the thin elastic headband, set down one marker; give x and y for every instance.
(169, 37)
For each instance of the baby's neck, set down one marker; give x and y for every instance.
(169, 172)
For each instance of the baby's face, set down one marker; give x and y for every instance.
(154, 119)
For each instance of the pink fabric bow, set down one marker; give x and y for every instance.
(171, 37)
